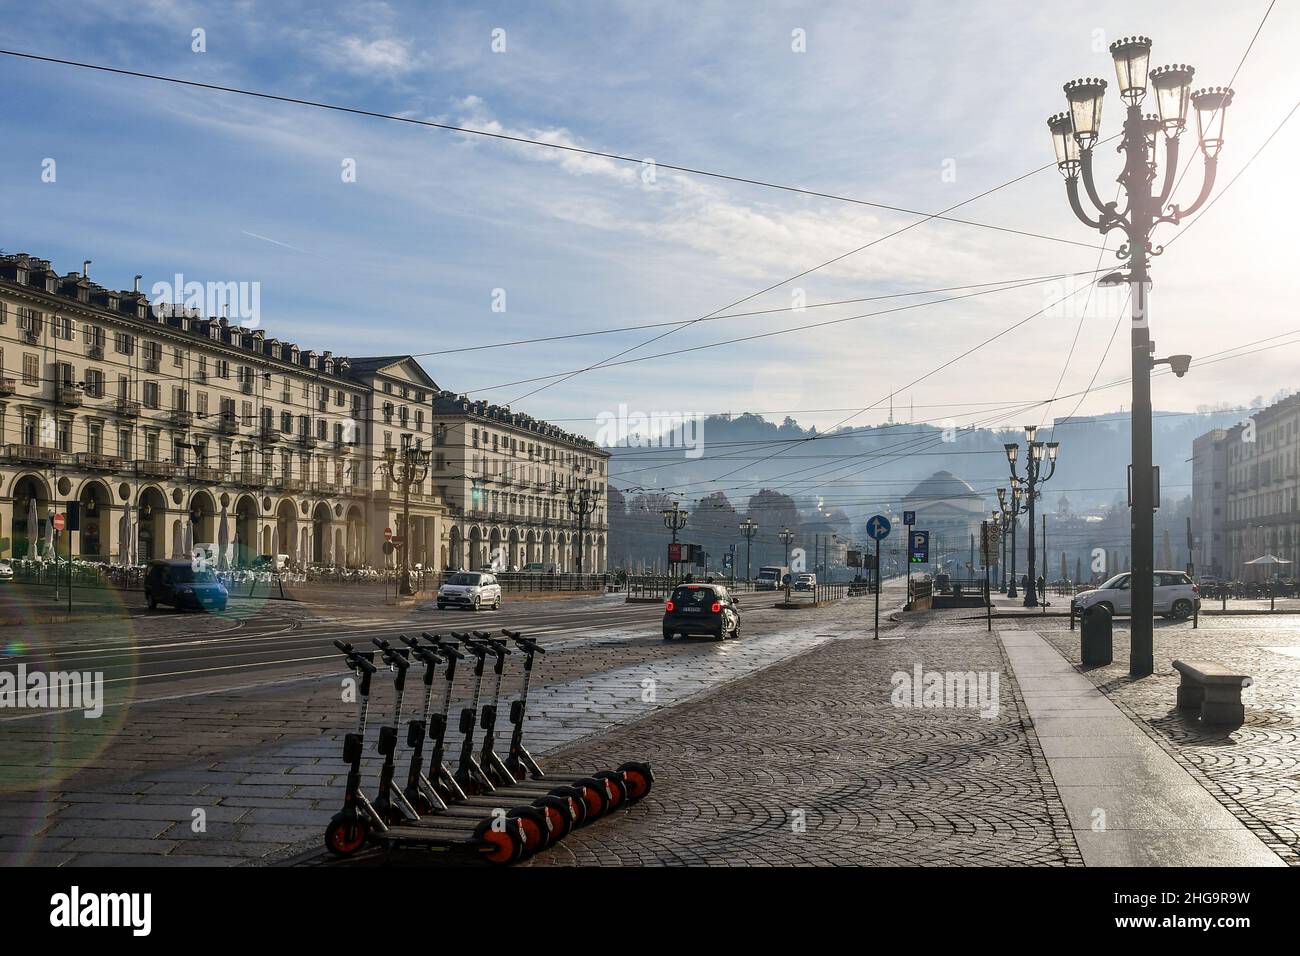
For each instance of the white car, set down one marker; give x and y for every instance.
(471, 589)
(6, 570)
(1174, 595)
(805, 582)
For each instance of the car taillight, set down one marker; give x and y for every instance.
(669, 606)
(717, 607)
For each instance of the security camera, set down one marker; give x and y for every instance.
(1179, 364)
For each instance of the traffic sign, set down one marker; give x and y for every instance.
(59, 522)
(878, 527)
(918, 547)
(909, 518)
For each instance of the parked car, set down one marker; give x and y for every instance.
(1173, 595)
(805, 582)
(177, 583)
(6, 570)
(471, 589)
(701, 609)
(535, 567)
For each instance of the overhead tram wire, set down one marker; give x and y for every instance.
(774, 332)
(776, 285)
(526, 141)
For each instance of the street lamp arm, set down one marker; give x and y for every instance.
(1107, 210)
(1176, 215)
(1072, 191)
(1171, 171)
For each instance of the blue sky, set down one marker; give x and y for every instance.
(157, 179)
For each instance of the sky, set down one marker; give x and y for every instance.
(915, 105)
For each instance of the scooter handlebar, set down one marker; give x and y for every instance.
(526, 644)
(446, 650)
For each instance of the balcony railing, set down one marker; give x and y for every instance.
(228, 424)
(95, 351)
(205, 474)
(155, 469)
(95, 461)
(182, 417)
(306, 441)
(246, 386)
(69, 395)
(33, 454)
(8, 386)
(152, 364)
(292, 484)
(127, 408)
(268, 434)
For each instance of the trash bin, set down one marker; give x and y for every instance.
(1095, 642)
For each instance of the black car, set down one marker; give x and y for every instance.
(179, 584)
(701, 609)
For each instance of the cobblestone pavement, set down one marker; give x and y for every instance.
(262, 762)
(1254, 770)
(808, 763)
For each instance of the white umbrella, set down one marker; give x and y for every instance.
(223, 541)
(33, 528)
(1268, 559)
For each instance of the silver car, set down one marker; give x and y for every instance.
(471, 589)
(1173, 595)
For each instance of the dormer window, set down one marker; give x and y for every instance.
(22, 275)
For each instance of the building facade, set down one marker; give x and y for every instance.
(1210, 453)
(951, 510)
(171, 429)
(508, 480)
(1262, 495)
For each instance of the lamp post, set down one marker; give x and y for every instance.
(581, 503)
(748, 528)
(1003, 517)
(1038, 453)
(408, 467)
(1013, 518)
(674, 521)
(1074, 134)
(786, 537)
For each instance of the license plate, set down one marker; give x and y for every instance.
(690, 610)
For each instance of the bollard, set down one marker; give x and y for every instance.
(1072, 614)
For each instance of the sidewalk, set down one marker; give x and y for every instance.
(812, 763)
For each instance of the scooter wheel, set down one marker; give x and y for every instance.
(594, 796)
(423, 805)
(534, 825)
(577, 805)
(639, 779)
(559, 816)
(345, 835)
(617, 788)
(499, 845)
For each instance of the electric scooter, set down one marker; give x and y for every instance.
(360, 821)
(469, 774)
(636, 777)
(601, 792)
(541, 823)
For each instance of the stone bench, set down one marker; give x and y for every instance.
(1213, 688)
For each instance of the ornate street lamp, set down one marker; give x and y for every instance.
(748, 528)
(408, 467)
(786, 537)
(674, 521)
(1012, 515)
(1144, 209)
(1039, 453)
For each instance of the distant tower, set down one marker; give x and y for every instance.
(891, 408)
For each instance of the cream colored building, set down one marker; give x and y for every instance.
(507, 479)
(189, 423)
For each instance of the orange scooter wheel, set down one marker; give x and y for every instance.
(639, 779)
(560, 816)
(594, 796)
(617, 788)
(534, 827)
(500, 845)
